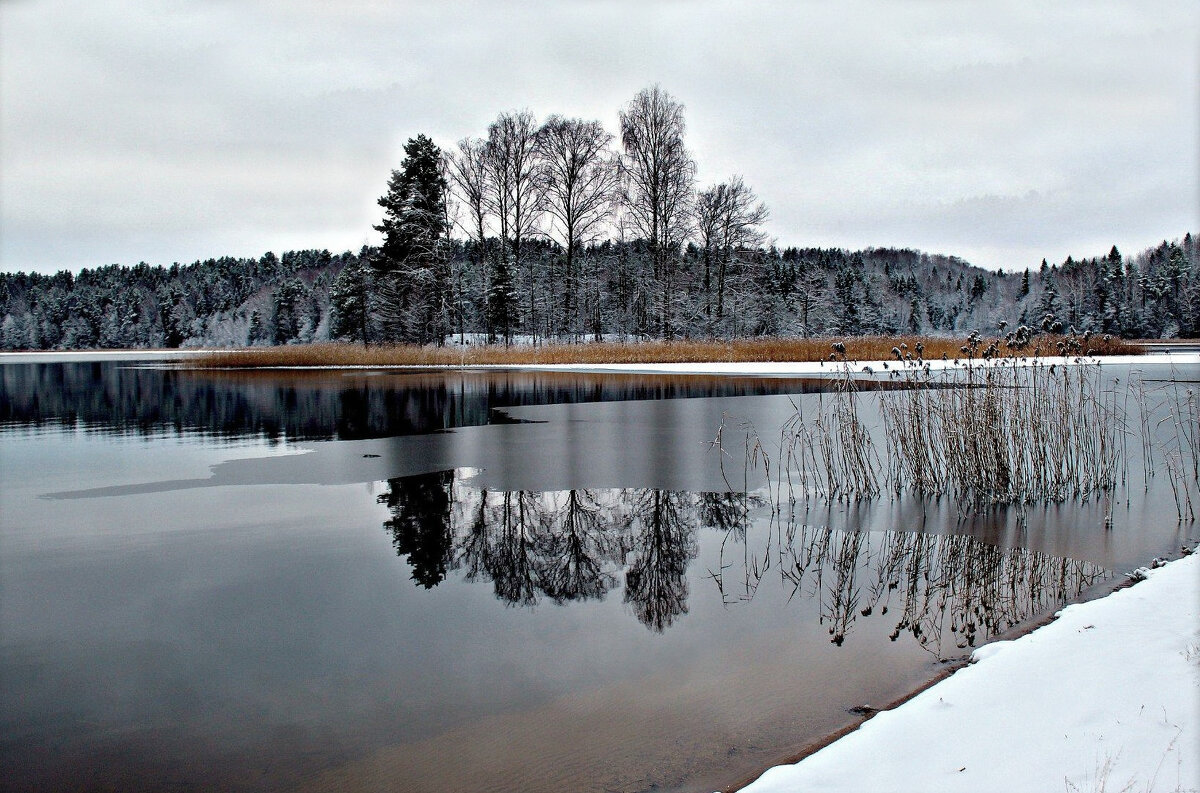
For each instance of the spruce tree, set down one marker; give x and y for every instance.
(351, 300)
(412, 263)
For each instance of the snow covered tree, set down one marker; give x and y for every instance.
(352, 299)
(412, 263)
(288, 304)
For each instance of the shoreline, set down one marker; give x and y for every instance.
(949, 668)
(1137, 648)
(875, 368)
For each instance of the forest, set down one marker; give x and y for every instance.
(560, 231)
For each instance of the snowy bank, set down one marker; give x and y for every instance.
(1106, 697)
(1183, 361)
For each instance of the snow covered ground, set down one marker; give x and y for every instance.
(1184, 362)
(1105, 698)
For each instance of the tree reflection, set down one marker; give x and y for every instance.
(564, 545)
(578, 548)
(420, 523)
(656, 582)
(946, 592)
(313, 405)
(512, 556)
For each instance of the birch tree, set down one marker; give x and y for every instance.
(469, 180)
(578, 178)
(657, 177)
(516, 197)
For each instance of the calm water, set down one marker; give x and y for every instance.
(457, 581)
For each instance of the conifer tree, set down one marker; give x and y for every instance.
(351, 300)
(413, 263)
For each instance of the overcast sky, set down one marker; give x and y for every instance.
(1000, 132)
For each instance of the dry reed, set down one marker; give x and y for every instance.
(985, 432)
(1004, 433)
(863, 348)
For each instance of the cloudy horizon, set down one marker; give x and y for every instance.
(179, 131)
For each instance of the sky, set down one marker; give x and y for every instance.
(999, 132)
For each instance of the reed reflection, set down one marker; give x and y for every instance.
(946, 592)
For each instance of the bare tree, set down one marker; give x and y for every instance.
(728, 220)
(710, 209)
(658, 173)
(469, 178)
(578, 176)
(741, 222)
(516, 195)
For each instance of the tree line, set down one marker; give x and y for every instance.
(562, 231)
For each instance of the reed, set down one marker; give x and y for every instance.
(1004, 433)
(986, 430)
(830, 453)
(764, 350)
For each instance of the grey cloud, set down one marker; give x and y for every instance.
(172, 131)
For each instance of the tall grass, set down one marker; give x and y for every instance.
(982, 431)
(864, 348)
(1004, 433)
(1177, 432)
(832, 452)
(986, 430)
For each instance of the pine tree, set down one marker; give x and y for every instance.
(256, 331)
(1048, 306)
(413, 262)
(501, 302)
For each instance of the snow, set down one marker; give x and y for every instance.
(819, 368)
(1106, 697)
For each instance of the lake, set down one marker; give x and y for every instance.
(503, 581)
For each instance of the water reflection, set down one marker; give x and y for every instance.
(929, 583)
(563, 546)
(946, 592)
(318, 405)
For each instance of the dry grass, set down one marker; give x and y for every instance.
(862, 348)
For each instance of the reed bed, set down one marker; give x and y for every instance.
(994, 433)
(985, 432)
(1005, 434)
(762, 350)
